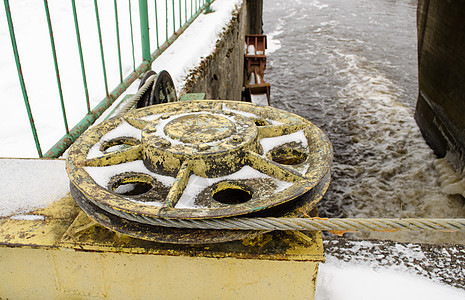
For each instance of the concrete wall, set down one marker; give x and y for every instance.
(440, 111)
(220, 75)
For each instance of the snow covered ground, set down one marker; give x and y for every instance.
(339, 280)
(374, 269)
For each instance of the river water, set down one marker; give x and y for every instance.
(350, 67)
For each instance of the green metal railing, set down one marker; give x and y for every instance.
(191, 9)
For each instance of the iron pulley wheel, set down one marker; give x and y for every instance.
(198, 160)
(161, 91)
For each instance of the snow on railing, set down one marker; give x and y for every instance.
(72, 53)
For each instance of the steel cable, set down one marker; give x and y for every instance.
(131, 102)
(336, 224)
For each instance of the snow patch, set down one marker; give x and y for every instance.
(122, 130)
(102, 175)
(28, 217)
(339, 280)
(30, 184)
(245, 114)
(197, 184)
(260, 99)
(270, 143)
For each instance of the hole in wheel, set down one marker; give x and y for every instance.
(230, 193)
(133, 188)
(118, 144)
(287, 156)
(261, 122)
(131, 184)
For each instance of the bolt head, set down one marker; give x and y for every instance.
(236, 138)
(164, 143)
(203, 147)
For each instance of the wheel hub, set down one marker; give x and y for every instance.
(200, 128)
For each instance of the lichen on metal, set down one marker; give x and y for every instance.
(199, 160)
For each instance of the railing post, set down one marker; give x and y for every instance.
(144, 29)
(55, 60)
(208, 8)
(20, 75)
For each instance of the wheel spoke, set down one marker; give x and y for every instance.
(137, 123)
(271, 168)
(179, 185)
(279, 129)
(114, 158)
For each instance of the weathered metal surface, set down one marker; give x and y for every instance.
(45, 231)
(158, 233)
(211, 153)
(64, 225)
(161, 91)
(299, 208)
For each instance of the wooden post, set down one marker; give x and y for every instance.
(254, 16)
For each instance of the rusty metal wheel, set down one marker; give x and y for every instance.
(198, 160)
(161, 91)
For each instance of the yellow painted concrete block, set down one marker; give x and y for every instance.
(48, 274)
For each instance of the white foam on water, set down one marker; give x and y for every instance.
(451, 181)
(272, 42)
(318, 4)
(395, 174)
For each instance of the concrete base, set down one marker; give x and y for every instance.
(67, 255)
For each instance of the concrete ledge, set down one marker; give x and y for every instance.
(220, 74)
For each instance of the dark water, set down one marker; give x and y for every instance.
(350, 67)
